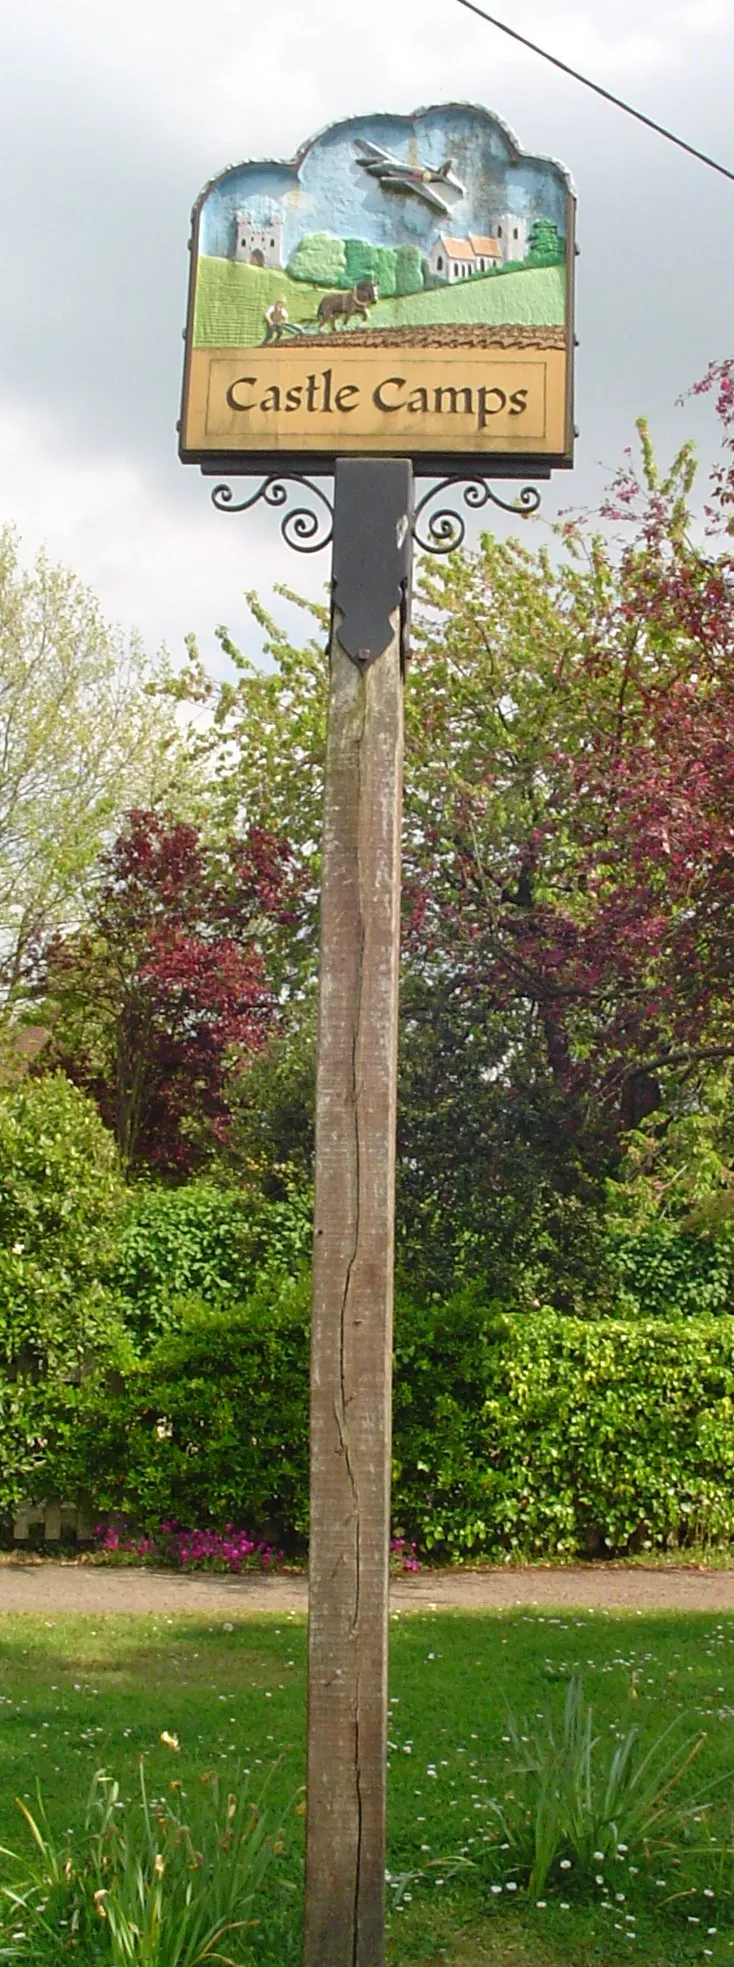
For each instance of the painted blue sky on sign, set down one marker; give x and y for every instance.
(326, 190)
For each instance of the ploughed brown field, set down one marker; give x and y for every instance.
(450, 334)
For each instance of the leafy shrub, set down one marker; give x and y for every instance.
(663, 1270)
(513, 1436)
(212, 1428)
(60, 1194)
(23, 1425)
(202, 1241)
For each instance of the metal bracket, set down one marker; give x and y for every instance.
(372, 552)
(445, 530)
(305, 529)
(374, 517)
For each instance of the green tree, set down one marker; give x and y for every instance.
(60, 1199)
(408, 270)
(319, 258)
(81, 738)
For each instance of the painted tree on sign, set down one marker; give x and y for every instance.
(320, 259)
(386, 261)
(408, 270)
(546, 246)
(359, 262)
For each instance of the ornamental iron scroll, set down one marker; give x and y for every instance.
(444, 531)
(307, 528)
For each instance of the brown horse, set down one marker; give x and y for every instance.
(358, 300)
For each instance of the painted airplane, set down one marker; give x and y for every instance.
(424, 182)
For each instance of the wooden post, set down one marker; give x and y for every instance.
(351, 1347)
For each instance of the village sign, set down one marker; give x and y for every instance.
(402, 288)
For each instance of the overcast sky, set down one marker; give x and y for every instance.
(114, 113)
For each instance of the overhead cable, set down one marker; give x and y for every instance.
(617, 101)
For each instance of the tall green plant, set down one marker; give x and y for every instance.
(205, 1242)
(577, 1808)
(156, 1883)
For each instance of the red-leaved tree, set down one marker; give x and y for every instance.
(167, 992)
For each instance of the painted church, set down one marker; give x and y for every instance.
(454, 259)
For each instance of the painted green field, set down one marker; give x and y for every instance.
(231, 300)
(535, 298)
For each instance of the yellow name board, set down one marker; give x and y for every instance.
(465, 400)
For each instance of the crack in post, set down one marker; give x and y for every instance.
(342, 1420)
(358, 1864)
(341, 1417)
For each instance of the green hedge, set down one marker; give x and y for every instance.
(60, 1196)
(202, 1241)
(573, 1438)
(523, 1436)
(212, 1427)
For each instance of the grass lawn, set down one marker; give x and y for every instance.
(81, 1694)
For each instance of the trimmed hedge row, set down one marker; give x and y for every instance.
(574, 1438)
(513, 1435)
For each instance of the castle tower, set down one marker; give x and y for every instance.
(259, 245)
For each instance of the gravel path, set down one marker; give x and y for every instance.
(45, 1586)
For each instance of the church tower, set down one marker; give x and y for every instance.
(511, 234)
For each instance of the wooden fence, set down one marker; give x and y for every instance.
(49, 1522)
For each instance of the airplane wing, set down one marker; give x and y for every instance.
(373, 152)
(429, 195)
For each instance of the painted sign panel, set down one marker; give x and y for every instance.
(403, 288)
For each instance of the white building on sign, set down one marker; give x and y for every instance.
(511, 234)
(259, 245)
(454, 259)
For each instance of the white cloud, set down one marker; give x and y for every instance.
(163, 567)
(236, 79)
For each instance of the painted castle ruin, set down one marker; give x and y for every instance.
(259, 245)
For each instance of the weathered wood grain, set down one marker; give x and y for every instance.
(352, 1316)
